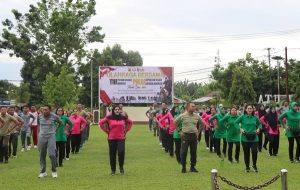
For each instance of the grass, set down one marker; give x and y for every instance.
(146, 167)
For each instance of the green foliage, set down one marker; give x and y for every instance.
(191, 90)
(241, 90)
(6, 89)
(60, 90)
(51, 34)
(262, 78)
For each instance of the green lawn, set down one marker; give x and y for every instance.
(146, 167)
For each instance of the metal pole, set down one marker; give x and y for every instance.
(286, 77)
(278, 79)
(214, 175)
(284, 183)
(91, 61)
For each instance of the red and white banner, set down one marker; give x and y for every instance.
(135, 84)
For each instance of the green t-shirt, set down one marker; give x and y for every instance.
(233, 129)
(60, 133)
(220, 130)
(292, 119)
(249, 124)
(189, 122)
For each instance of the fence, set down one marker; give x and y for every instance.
(215, 185)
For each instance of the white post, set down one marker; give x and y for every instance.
(284, 183)
(214, 174)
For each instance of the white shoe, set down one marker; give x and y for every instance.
(67, 158)
(14, 157)
(34, 146)
(207, 148)
(54, 174)
(22, 150)
(42, 175)
(28, 148)
(160, 144)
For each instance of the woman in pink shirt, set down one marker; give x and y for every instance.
(79, 123)
(167, 124)
(270, 121)
(116, 126)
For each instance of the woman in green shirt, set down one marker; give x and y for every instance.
(250, 127)
(61, 136)
(220, 131)
(176, 135)
(292, 129)
(233, 133)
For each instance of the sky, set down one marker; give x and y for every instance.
(187, 35)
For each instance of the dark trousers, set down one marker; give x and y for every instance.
(68, 146)
(60, 151)
(155, 128)
(87, 135)
(150, 124)
(13, 144)
(177, 149)
(211, 140)
(24, 136)
(291, 147)
(114, 147)
(164, 137)
(217, 143)
(170, 143)
(260, 137)
(237, 150)
(75, 142)
(199, 136)
(207, 135)
(189, 140)
(247, 146)
(4, 141)
(266, 134)
(274, 144)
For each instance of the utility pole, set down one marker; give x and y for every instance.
(278, 59)
(286, 77)
(269, 60)
(217, 58)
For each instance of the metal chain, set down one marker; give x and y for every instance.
(216, 183)
(250, 188)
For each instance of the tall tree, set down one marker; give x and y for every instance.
(60, 90)
(51, 34)
(241, 90)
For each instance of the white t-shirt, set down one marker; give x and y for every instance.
(35, 115)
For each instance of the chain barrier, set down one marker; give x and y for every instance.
(216, 183)
(247, 188)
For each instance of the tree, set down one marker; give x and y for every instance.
(61, 90)
(6, 89)
(51, 34)
(241, 90)
(189, 90)
(110, 56)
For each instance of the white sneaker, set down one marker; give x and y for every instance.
(67, 158)
(207, 148)
(54, 174)
(42, 175)
(22, 150)
(28, 148)
(34, 146)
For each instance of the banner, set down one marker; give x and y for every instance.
(135, 84)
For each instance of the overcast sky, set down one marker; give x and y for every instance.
(186, 34)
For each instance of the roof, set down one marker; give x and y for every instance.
(202, 99)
